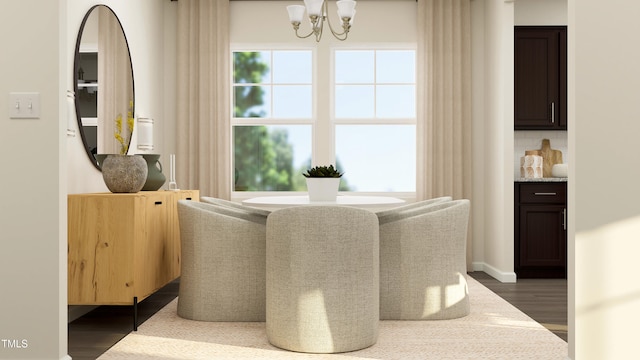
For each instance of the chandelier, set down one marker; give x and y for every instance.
(317, 12)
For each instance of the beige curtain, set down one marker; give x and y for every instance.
(203, 109)
(115, 91)
(444, 98)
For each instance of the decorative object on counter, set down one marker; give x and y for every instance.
(172, 173)
(531, 166)
(145, 133)
(323, 183)
(155, 177)
(124, 173)
(100, 159)
(550, 157)
(560, 170)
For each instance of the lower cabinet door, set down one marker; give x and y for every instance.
(542, 245)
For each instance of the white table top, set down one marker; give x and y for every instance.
(275, 202)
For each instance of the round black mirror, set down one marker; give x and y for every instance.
(103, 81)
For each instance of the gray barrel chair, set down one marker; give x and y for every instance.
(234, 205)
(423, 262)
(223, 263)
(322, 279)
(412, 206)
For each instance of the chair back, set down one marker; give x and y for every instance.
(413, 206)
(423, 263)
(222, 264)
(234, 205)
(322, 278)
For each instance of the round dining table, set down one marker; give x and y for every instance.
(373, 203)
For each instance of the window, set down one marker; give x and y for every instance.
(363, 119)
(272, 106)
(375, 117)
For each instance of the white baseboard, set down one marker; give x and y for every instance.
(66, 357)
(502, 276)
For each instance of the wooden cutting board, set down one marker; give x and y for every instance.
(550, 157)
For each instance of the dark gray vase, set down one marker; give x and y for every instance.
(124, 173)
(155, 177)
(100, 159)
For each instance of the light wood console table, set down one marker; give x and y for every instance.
(122, 247)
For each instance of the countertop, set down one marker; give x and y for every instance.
(547, 179)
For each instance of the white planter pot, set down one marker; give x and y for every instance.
(323, 189)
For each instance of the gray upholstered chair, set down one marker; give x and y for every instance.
(412, 206)
(423, 263)
(234, 205)
(223, 263)
(322, 279)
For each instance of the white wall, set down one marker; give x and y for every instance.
(541, 12)
(33, 178)
(478, 206)
(603, 186)
(493, 117)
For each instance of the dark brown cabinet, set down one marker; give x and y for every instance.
(540, 229)
(540, 88)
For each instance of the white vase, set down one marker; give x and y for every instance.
(323, 189)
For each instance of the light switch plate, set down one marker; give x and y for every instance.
(24, 105)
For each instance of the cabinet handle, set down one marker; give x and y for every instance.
(158, 202)
(545, 194)
(553, 112)
(188, 198)
(564, 219)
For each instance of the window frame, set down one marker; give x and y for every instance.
(323, 133)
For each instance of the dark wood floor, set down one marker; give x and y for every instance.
(94, 333)
(544, 300)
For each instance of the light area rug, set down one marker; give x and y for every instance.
(494, 330)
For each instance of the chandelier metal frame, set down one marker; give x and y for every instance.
(317, 22)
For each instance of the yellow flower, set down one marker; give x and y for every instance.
(124, 143)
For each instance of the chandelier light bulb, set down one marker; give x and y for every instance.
(296, 13)
(346, 8)
(314, 7)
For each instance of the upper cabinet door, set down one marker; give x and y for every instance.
(540, 78)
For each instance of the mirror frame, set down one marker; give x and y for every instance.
(76, 65)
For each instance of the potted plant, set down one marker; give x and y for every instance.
(124, 173)
(323, 183)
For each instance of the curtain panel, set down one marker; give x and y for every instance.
(203, 109)
(444, 100)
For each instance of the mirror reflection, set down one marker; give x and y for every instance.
(103, 79)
